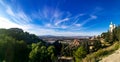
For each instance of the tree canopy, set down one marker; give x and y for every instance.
(19, 34)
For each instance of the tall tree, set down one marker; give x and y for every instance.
(79, 54)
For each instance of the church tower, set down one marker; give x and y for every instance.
(112, 26)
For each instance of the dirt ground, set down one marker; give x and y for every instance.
(115, 57)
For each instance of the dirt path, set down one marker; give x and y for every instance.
(115, 57)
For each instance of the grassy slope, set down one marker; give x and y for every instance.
(96, 56)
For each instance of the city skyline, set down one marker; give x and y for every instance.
(60, 17)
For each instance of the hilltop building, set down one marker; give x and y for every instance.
(112, 26)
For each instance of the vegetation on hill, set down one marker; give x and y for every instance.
(41, 53)
(19, 46)
(96, 56)
(79, 54)
(12, 50)
(19, 34)
(112, 38)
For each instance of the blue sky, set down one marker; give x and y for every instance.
(60, 17)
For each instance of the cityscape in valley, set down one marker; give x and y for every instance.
(59, 30)
(73, 39)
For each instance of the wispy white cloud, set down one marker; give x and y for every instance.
(48, 25)
(10, 12)
(41, 31)
(21, 16)
(17, 15)
(60, 21)
(64, 26)
(97, 9)
(89, 19)
(2, 3)
(76, 19)
(52, 18)
(78, 25)
(7, 23)
(93, 17)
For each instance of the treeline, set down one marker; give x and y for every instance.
(111, 37)
(111, 43)
(19, 46)
(78, 52)
(88, 47)
(19, 34)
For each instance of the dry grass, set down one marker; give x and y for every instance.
(96, 56)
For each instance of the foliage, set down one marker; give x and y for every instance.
(19, 46)
(85, 45)
(58, 47)
(97, 44)
(19, 34)
(79, 54)
(51, 53)
(66, 50)
(112, 36)
(117, 33)
(108, 37)
(96, 56)
(41, 53)
(12, 50)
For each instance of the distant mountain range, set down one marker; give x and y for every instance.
(45, 37)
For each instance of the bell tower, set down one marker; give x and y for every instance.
(111, 27)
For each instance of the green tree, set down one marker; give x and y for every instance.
(58, 47)
(117, 33)
(21, 52)
(34, 52)
(12, 50)
(19, 34)
(6, 48)
(108, 37)
(51, 53)
(41, 53)
(79, 54)
(97, 44)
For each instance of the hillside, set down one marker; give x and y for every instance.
(115, 57)
(19, 34)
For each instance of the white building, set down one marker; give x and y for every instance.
(112, 26)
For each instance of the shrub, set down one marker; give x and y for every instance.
(96, 56)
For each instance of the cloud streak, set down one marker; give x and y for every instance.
(60, 21)
(41, 31)
(92, 17)
(52, 19)
(17, 15)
